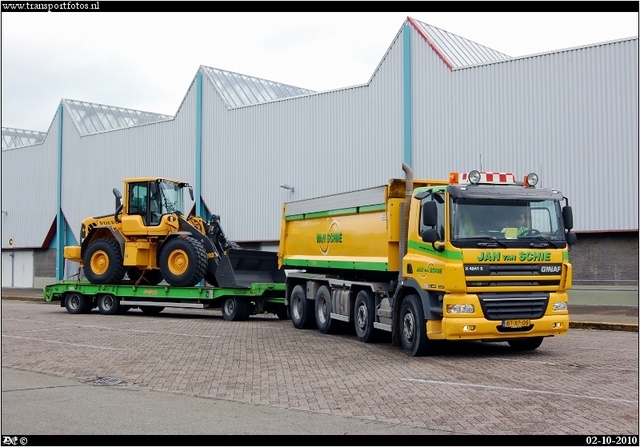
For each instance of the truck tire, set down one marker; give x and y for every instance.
(103, 262)
(183, 261)
(77, 303)
(301, 309)
(413, 330)
(364, 316)
(526, 344)
(234, 309)
(323, 311)
(108, 304)
(150, 278)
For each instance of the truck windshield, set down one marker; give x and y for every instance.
(507, 220)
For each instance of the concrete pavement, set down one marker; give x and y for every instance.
(590, 307)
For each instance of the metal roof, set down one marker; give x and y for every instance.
(12, 138)
(93, 118)
(456, 51)
(242, 90)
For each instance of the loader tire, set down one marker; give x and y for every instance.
(103, 262)
(183, 261)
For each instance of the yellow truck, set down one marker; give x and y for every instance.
(480, 256)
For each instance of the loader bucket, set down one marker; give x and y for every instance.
(241, 268)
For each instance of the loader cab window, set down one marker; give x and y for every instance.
(138, 202)
(169, 197)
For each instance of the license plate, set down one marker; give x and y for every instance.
(516, 323)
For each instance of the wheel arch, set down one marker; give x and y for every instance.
(101, 232)
(431, 306)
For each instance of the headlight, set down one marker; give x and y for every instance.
(460, 308)
(562, 305)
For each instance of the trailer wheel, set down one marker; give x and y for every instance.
(183, 261)
(323, 310)
(77, 303)
(103, 262)
(413, 330)
(151, 310)
(364, 315)
(526, 344)
(301, 309)
(108, 304)
(234, 309)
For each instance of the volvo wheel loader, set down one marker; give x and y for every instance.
(150, 239)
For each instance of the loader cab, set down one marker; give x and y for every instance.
(152, 198)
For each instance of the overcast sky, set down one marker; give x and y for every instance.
(146, 61)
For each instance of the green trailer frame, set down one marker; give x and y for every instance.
(81, 296)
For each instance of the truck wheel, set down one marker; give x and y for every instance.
(103, 262)
(151, 277)
(183, 261)
(77, 303)
(301, 309)
(233, 309)
(323, 310)
(364, 315)
(151, 310)
(413, 330)
(108, 304)
(526, 344)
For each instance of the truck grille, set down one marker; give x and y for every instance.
(501, 275)
(510, 306)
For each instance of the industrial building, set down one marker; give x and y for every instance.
(436, 101)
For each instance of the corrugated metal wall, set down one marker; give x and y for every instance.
(319, 144)
(29, 191)
(571, 116)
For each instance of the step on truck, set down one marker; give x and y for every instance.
(149, 254)
(480, 256)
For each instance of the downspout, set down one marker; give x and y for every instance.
(59, 217)
(406, 88)
(198, 159)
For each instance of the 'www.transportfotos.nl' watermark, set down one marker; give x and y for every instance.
(51, 6)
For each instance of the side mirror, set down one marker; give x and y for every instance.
(429, 235)
(429, 214)
(191, 192)
(567, 215)
(571, 238)
(432, 236)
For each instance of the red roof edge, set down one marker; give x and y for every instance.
(431, 44)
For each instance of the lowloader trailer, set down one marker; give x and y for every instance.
(236, 304)
(480, 256)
